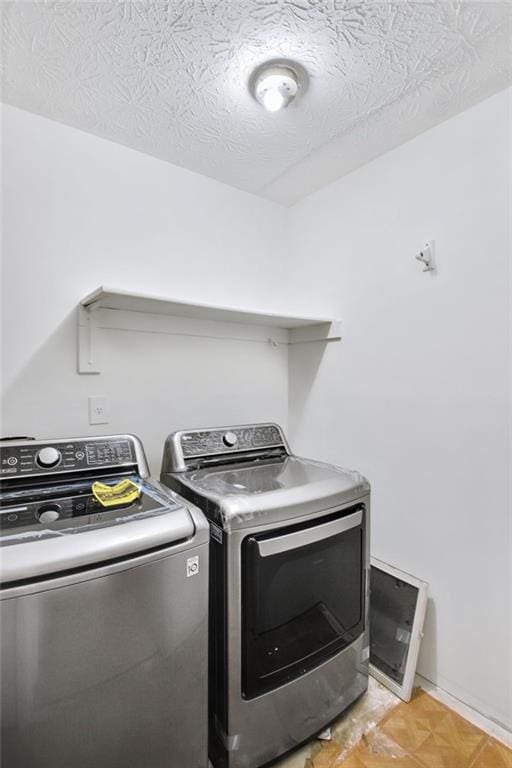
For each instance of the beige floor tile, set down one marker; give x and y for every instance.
(364, 757)
(493, 755)
(327, 755)
(434, 735)
(296, 759)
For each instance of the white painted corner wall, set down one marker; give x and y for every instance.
(417, 395)
(80, 212)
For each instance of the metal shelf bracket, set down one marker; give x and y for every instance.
(87, 339)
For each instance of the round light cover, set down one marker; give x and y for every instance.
(275, 87)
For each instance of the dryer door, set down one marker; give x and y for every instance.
(303, 597)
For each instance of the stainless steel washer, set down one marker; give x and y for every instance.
(289, 566)
(103, 612)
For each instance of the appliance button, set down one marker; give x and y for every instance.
(48, 513)
(12, 461)
(48, 457)
(12, 518)
(79, 455)
(230, 439)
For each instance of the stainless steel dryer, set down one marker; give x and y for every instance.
(289, 565)
(103, 612)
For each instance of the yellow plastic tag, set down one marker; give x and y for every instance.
(113, 495)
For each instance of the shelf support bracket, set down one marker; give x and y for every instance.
(318, 332)
(87, 339)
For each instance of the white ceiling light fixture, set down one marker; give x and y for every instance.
(276, 84)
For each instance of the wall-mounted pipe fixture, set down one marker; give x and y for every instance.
(426, 256)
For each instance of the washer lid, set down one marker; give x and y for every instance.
(32, 547)
(274, 490)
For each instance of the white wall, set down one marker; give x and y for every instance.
(417, 396)
(80, 212)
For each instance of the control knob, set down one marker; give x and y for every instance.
(48, 513)
(48, 457)
(230, 439)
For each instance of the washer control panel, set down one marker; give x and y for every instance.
(48, 457)
(36, 458)
(76, 511)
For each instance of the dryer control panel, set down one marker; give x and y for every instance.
(210, 442)
(37, 458)
(192, 448)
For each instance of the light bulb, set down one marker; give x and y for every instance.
(275, 86)
(273, 100)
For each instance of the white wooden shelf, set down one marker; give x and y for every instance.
(107, 308)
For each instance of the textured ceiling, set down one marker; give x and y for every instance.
(170, 78)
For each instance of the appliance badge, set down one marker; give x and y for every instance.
(192, 566)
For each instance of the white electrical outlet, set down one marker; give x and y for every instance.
(99, 410)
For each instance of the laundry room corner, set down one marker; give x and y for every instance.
(80, 212)
(256, 379)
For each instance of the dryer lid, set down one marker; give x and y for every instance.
(240, 495)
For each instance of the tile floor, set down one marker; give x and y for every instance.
(390, 734)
